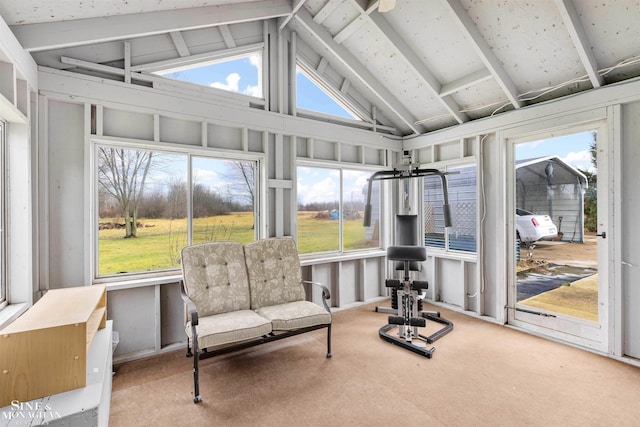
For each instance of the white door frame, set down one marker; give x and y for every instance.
(592, 335)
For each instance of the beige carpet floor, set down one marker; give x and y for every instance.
(481, 374)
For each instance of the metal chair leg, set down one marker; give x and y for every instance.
(196, 357)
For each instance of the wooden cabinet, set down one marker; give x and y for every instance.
(44, 351)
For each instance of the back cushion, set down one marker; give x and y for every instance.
(274, 272)
(215, 277)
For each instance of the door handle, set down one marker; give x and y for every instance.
(603, 235)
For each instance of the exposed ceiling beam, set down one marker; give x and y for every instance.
(187, 61)
(421, 70)
(386, 5)
(225, 32)
(358, 71)
(465, 81)
(322, 65)
(330, 7)
(60, 34)
(483, 50)
(349, 29)
(179, 43)
(578, 36)
(369, 15)
(297, 4)
(340, 93)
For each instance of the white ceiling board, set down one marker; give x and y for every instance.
(19, 12)
(429, 30)
(572, 22)
(482, 99)
(380, 57)
(438, 62)
(52, 35)
(530, 41)
(613, 30)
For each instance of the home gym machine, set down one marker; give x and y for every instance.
(406, 294)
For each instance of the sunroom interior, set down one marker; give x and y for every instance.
(316, 96)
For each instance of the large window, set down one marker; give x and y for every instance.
(461, 236)
(151, 204)
(310, 96)
(331, 210)
(3, 233)
(239, 74)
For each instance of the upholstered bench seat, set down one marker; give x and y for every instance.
(295, 315)
(237, 296)
(226, 328)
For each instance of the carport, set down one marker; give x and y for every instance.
(548, 185)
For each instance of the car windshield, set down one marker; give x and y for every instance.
(522, 212)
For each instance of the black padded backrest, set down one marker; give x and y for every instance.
(407, 230)
(407, 235)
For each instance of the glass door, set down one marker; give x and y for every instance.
(559, 235)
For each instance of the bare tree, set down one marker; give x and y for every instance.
(244, 171)
(122, 174)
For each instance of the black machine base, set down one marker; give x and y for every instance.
(402, 341)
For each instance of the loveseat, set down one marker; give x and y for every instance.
(237, 296)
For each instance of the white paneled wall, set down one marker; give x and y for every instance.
(148, 314)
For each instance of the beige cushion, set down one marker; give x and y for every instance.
(226, 328)
(295, 315)
(274, 272)
(215, 277)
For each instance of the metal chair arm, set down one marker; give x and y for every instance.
(326, 295)
(191, 307)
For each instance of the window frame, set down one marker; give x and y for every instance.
(341, 167)
(316, 78)
(4, 289)
(180, 64)
(471, 161)
(169, 148)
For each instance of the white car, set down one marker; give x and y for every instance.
(532, 227)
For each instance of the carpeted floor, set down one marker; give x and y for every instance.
(481, 374)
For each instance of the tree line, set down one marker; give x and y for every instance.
(173, 204)
(123, 193)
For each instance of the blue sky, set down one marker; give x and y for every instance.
(243, 75)
(572, 149)
(311, 97)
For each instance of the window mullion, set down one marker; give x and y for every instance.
(189, 199)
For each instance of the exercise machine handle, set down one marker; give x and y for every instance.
(415, 173)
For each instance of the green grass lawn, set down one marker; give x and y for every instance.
(159, 241)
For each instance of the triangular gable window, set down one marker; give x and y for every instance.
(237, 74)
(310, 96)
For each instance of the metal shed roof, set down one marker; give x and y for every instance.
(550, 168)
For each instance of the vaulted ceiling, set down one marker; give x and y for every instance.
(421, 66)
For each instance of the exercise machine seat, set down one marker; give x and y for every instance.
(406, 253)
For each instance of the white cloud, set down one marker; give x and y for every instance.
(233, 80)
(253, 90)
(255, 61)
(206, 177)
(231, 85)
(580, 159)
(325, 190)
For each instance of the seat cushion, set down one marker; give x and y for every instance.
(273, 268)
(215, 277)
(295, 315)
(227, 328)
